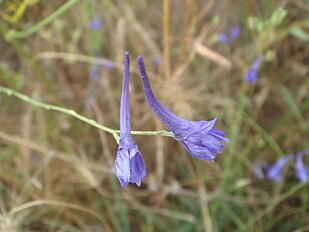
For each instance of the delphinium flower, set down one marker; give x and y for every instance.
(275, 170)
(129, 164)
(302, 172)
(95, 24)
(200, 138)
(259, 169)
(231, 35)
(156, 61)
(94, 72)
(253, 73)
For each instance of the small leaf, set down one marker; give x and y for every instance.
(300, 34)
(278, 16)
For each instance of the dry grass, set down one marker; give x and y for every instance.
(56, 172)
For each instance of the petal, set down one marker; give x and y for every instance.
(196, 130)
(252, 76)
(122, 167)
(302, 172)
(275, 170)
(219, 135)
(257, 62)
(234, 32)
(199, 152)
(259, 169)
(213, 144)
(223, 38)
(138, 170)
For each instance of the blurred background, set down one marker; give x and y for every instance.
(244, 62)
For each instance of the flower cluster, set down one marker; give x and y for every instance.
(274, 171)
(200, 138)
(231, 35)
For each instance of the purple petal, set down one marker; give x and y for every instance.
(257, 62)
(259, 169)
(223, 38)
(95, 71)
(234, 32)
(275, 170)
(138, 170)
(156, 61)
(95, 24)
(252, 76)
(302, 172)
(122, 167)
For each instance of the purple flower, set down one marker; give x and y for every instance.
(109, 65)
(259, 169)
(95, 24)
(231, 35)
(302, 172)
(253, 73)
(129, 164)
(235, 32)
(199, 138)
(94, 72)
(156, 61)
(275, 170)
(223, 38)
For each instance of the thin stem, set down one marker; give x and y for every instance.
(24, 98)
(12, 34)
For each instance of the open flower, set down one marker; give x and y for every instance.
(129, 164)
(275, 170)
(200, 138)
(253, 73)
(302, 172)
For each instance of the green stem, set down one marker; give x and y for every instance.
(24, 98)
(12, 34)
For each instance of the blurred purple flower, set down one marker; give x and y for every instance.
(95, 24)
(235, 32)
(253, 73)
(94, 72)
(259, 169)
(156, 61)
(109, 65)
(199, 138)
(275, 170)
(232, 34)
(302, 172)
(129, 164)
(223, 38)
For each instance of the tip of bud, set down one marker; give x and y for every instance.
(141, 66)
(140, 59)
